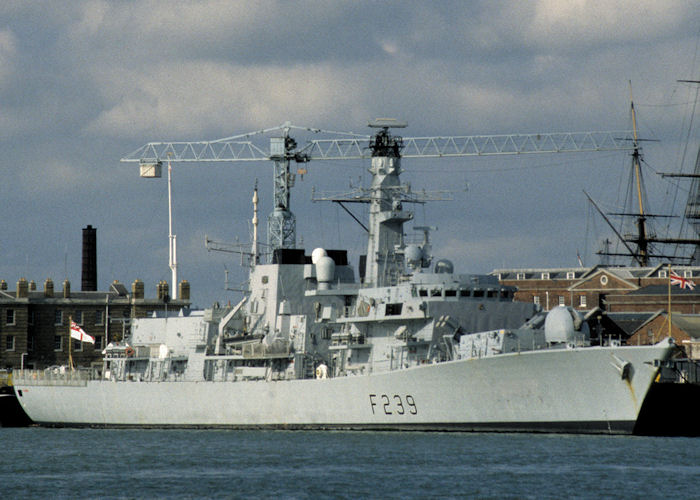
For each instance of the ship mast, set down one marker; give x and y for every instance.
(386, 214)
(642, 239)
(641, 255)
(642, 242)
(692, 208)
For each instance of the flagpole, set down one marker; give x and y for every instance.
(669, 299)
(106, 320)
(70, 342)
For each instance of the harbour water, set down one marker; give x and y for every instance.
(147, 463)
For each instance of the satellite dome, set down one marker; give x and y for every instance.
(564, 324)
(444, 266)
(317, 254)
(414, 255)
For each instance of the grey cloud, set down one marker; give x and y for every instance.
(83, 83)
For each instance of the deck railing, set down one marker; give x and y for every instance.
(50, 377)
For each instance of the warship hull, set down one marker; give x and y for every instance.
(591, 390)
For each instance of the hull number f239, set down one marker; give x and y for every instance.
(392, 404)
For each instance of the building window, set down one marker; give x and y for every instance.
(545, 276)
(582, 301)
(10, 343)
(570, 275)
(536, 299)
(687, 274)
(58, 342)
(58, 317)
(603, 280)
(393, 309)
(78, 317)
(77, 345)
(99, 317)
(561, 300)
(520, 276)
(10, 317)
(98, 342)
(662, 274)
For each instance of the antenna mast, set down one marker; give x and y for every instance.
(255, 223)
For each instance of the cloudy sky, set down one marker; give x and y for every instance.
(84, 83)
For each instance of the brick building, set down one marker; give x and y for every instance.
(684, 328)
(34, 324)
(613, 289)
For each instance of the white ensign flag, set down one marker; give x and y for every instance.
(79, 334)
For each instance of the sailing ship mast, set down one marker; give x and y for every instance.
(642, 254)
(642, 240)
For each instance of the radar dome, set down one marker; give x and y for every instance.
(317, 254)
(564, 324)
(444, 266)
(414, 255)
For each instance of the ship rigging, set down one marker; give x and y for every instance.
(643, 250)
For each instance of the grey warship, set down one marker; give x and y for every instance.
(409, 344)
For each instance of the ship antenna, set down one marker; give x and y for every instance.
(255, 223)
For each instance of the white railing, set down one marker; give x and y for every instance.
(50, 377)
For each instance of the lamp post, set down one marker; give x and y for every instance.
(152, 169)
(172, 238)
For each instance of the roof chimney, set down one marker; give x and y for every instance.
(89, 278)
